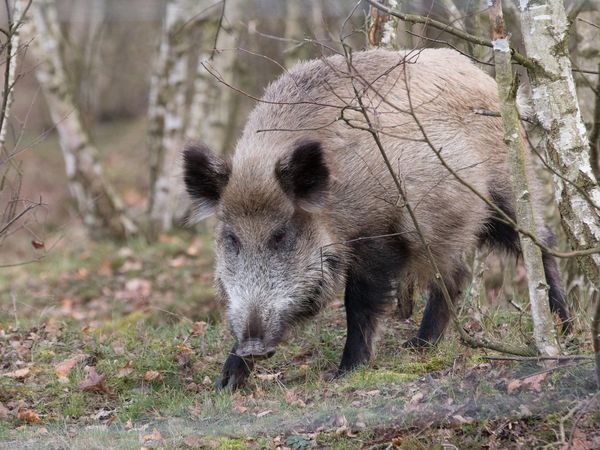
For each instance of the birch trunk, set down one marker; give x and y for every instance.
(545, 32)
(15, 21)
(167, 115)
(102, 211)
(10, 178)
(383, 27)
(213, 105)
(543, 329)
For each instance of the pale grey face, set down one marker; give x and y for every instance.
(276, 262)
(275, 270)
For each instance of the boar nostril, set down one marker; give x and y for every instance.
(254, 349)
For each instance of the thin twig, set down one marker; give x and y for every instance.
(412, 18)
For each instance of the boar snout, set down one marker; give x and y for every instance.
(254, 349)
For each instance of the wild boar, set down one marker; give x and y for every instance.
(307, 204)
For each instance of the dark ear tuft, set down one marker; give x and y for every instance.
(205, 177)
(304, 176)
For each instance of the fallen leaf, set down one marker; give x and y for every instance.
(38, 245)
(125, 370)
(94, 382)
(268, 376)
(263, 413)
(42, 430)
(18, 374)
(154, 436)
(64, 368)
(238, 407)
(533, 383)
(152, 375)
(416, 398)
(184, 349)
(29, 416)
(513, 386)
(198, 328)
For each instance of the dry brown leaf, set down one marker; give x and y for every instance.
(268, 376)
(514, 386)
(125, 370)
(184, 349)
(18, 374)
(94, 382)
(198, 328)
(38, 245)
(263, 413)
(154, 436)
(29, 416)
(415, 399)
(238, 407)
(152, 375)
(64, 368)
(533, 383)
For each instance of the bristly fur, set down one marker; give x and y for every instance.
(311, 205)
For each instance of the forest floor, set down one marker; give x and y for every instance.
(108, 346)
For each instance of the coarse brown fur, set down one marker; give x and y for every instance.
(305, 159)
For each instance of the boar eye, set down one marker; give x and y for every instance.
(231, 242)
(281, 239)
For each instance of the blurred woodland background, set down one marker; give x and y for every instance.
(106, 93)
(141, 78)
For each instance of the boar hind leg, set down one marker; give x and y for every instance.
(498, 234)
(235, 372)
(556, 294)
(437, 314)
(368, 286)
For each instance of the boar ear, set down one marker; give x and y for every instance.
(304, 176)
(205, 176)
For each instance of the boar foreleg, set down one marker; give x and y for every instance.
(235, 372)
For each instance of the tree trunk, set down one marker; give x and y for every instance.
(545, 32)
(102, 211)
(543, 329)
(383, 27)
(167, 114)
(213, 105)
(11, 51)
(10, 177)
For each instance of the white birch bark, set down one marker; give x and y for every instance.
(543, 330)
(102, 211)
(11, 56)
(545, 32)
(167, 114)
(383, 28)
(212, 109)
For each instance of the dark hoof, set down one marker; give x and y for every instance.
(417, 343)
(234, 374)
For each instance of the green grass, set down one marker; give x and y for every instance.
(78, 301)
